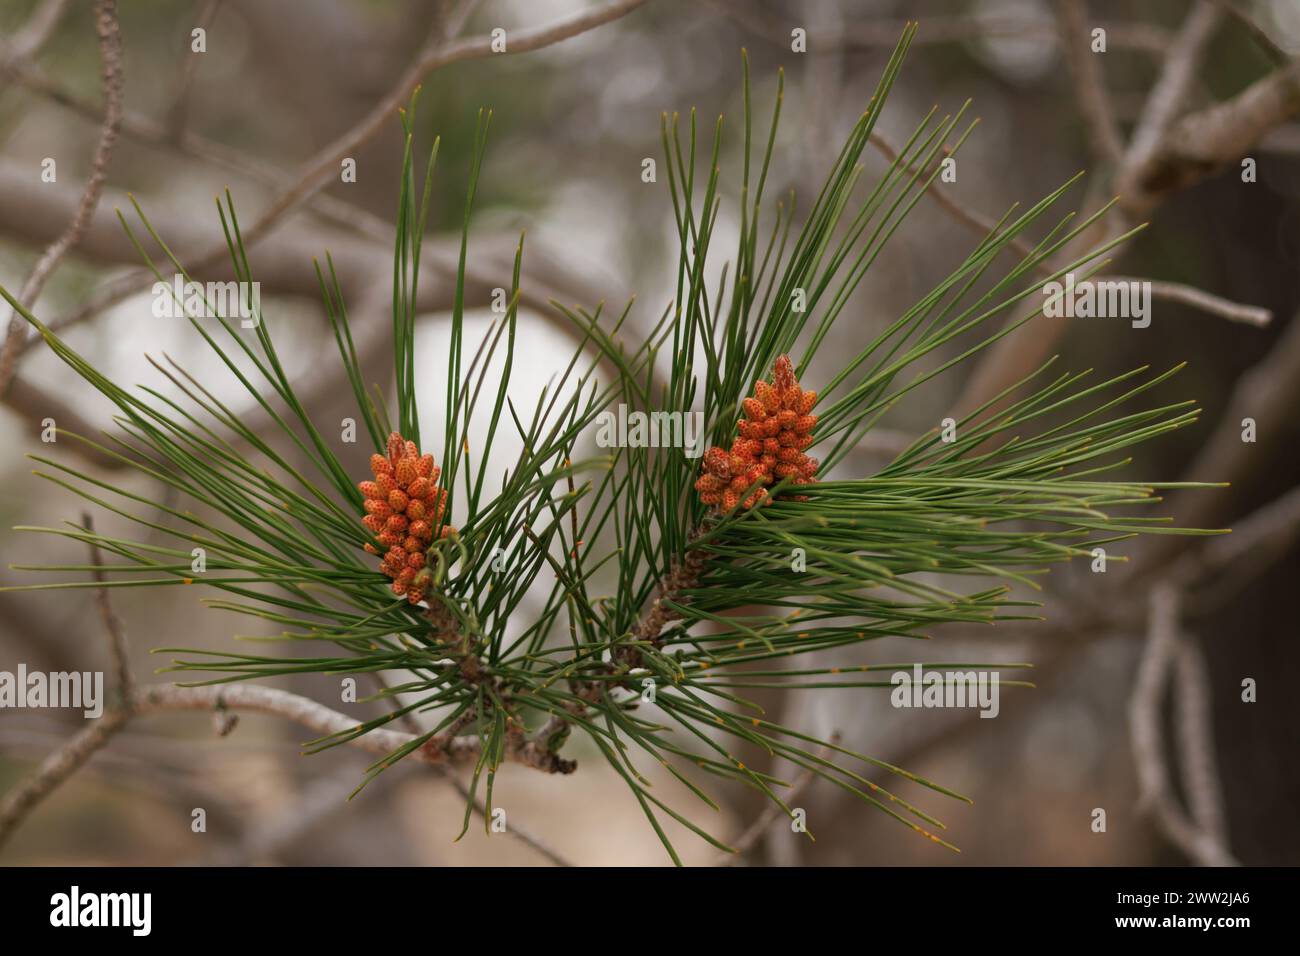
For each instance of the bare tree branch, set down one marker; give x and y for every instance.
(38, 29)
(1174, 84)
(1199, 299)
(1206, 141)
(355, 220)
(1268, 393)
(1162, 289)
(771, 813)
(1194, 738)
(1261, 39)
(1228, 563)
(322, 168)
(320, 801)
(24, 797)
(178, 112)
(1008, 360)
(117, 644)
(1155, 790)
(1089, 87)
(144, 129)
(162, 698)
(110, 47)
(479, 807)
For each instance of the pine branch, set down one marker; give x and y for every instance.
(667, 590)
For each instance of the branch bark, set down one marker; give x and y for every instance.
(1203, 142)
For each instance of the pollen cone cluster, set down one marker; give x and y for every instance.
(776, 428)
(403, 507)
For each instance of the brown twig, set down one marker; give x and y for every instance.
(36, 32)
(1156, 794)
(1261, 39)
(648, 629)
(1227, 563)
(1089, 88)
(1194, 741)
(1161, 289)
(73, 754)
(536, 751)
(479, 807)
(24, 797)
(117, 643)
(1169, 94)
(1268, 393)
(526, 837)
(326, 799)
(178, 112)
(750, 836)
(110, 48)
(356, 220)
(1199, 299)
(1203, 142)
(162, 698)
(1011, 358)
(1167, 98)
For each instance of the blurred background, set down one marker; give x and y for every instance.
(1164, 116)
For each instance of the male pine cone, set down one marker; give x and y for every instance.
(776, 427)
(404, 507)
